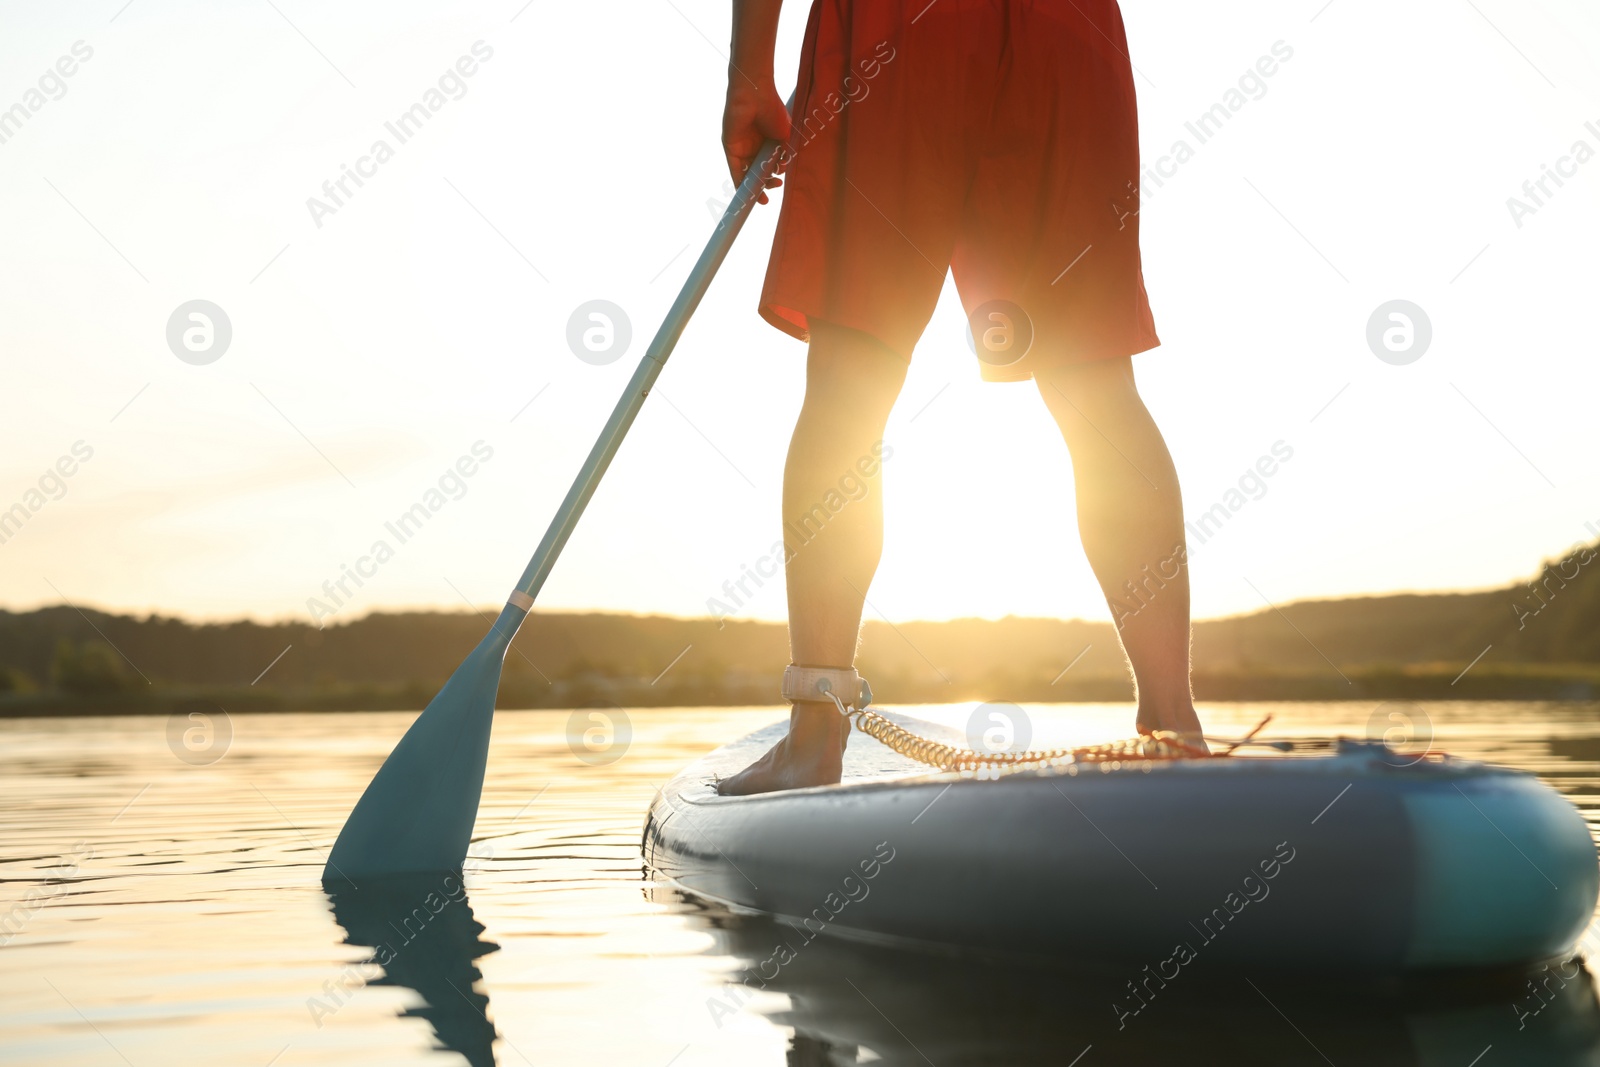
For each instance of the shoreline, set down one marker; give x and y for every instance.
(1559, 683)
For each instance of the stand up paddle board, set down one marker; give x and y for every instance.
(1352, 857)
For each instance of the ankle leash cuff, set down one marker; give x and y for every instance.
(843, 686)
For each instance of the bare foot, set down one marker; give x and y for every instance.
(1182, 721)
(812, 753)
(1190, 744)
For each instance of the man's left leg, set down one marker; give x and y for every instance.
(1130, 517)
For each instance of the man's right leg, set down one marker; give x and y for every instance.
(852, 381)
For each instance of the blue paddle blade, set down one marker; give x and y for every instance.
(417, 814)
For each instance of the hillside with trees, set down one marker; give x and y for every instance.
(1534, 640)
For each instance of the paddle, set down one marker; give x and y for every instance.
(418, 813)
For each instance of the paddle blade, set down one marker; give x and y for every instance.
(417, 814)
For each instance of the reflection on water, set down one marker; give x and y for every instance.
(158, 912)
(912, 1008)
(423, 937)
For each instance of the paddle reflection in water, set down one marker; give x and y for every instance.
(850, 1001)
(423, 936)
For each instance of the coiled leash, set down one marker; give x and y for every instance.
(826, 683)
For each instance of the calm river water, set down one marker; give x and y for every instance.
(161, 909)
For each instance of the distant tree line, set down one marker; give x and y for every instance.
(1535, 639)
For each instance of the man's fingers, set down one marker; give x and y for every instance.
(743, 145)
(748, 123)
(737, 165)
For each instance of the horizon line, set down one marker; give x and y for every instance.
(480, 610)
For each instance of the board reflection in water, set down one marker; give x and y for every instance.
(850, 1001)
(423, 937)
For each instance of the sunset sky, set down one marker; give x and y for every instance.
(375, 345)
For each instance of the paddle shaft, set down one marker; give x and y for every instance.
(655, 358)
(419, 810)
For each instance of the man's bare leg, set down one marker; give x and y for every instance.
(851, 384)
(1130, 517)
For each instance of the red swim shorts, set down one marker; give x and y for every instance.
(995, 138)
